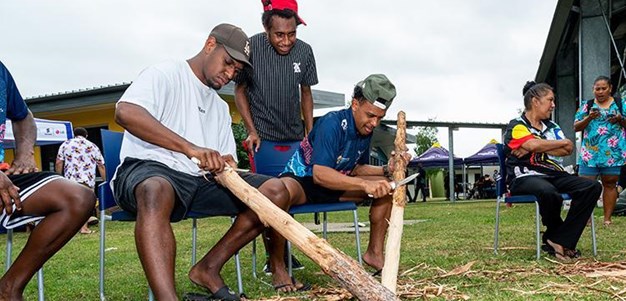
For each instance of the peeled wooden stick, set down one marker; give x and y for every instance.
(396, 221)
(333, 262)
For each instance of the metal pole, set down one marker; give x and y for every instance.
(451, 164)
(608, 28)
(464, 182)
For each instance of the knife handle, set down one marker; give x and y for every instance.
(393, 187)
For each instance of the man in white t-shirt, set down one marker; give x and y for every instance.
(172, 113)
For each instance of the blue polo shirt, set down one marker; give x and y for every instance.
(333, 142)
(12, 104)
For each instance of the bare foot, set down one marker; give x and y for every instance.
(283, 283)
(85, 230)
(376, 263)
(607, 223)
(291, 286)
(208, 279)
(560, 252)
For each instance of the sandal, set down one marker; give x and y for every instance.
(573, 253)
(224, 293)
(563, 258)
(195, 297)
(548, 249)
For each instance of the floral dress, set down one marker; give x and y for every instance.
(604, 143)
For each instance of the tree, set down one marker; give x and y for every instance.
(425, 138)
(239, 131)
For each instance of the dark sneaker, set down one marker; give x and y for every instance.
(295, 264)
(266, 268)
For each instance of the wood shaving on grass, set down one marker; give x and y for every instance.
(580, 279)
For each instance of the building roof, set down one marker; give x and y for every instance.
(109, 94)
(557, 29)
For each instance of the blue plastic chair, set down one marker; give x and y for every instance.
(111, 144)
(271, 160)
(502, 196)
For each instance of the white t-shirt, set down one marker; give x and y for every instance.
(172, 93)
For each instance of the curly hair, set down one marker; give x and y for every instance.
(266, 18)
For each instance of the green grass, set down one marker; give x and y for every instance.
(451, 235)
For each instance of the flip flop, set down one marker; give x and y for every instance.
(196, 297)
(573, 253)
(377, 273)
(224, 293)
(305, 286)
(548, 249)
(277, 287)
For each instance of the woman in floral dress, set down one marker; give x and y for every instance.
(603, 148)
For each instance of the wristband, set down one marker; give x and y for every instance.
(386, 171)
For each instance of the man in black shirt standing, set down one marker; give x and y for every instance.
(275, 95)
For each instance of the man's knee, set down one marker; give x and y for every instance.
(153, 194)
(81, 199)
(275, 190)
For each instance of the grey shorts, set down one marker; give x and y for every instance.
(315, 193)
(193, 193)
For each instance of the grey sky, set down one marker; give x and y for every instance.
(453, 60)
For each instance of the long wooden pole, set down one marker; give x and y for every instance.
(396, 221)
(333, 262)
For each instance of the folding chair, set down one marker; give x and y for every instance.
(271, 161)
(40, 290)
(111, 144)
(502, 196)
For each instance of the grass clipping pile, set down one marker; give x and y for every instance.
(582, 278)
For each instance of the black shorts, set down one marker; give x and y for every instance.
(193, 193)
(28, 183)
(315, 193)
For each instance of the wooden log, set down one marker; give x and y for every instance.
(341, 267)
(396, 221)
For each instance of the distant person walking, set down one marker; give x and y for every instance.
(420, 183)
(603, 145)
(77, 160)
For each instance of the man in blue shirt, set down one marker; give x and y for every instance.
(331, 164)
(59, 206)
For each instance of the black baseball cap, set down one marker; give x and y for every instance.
(234, 40)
